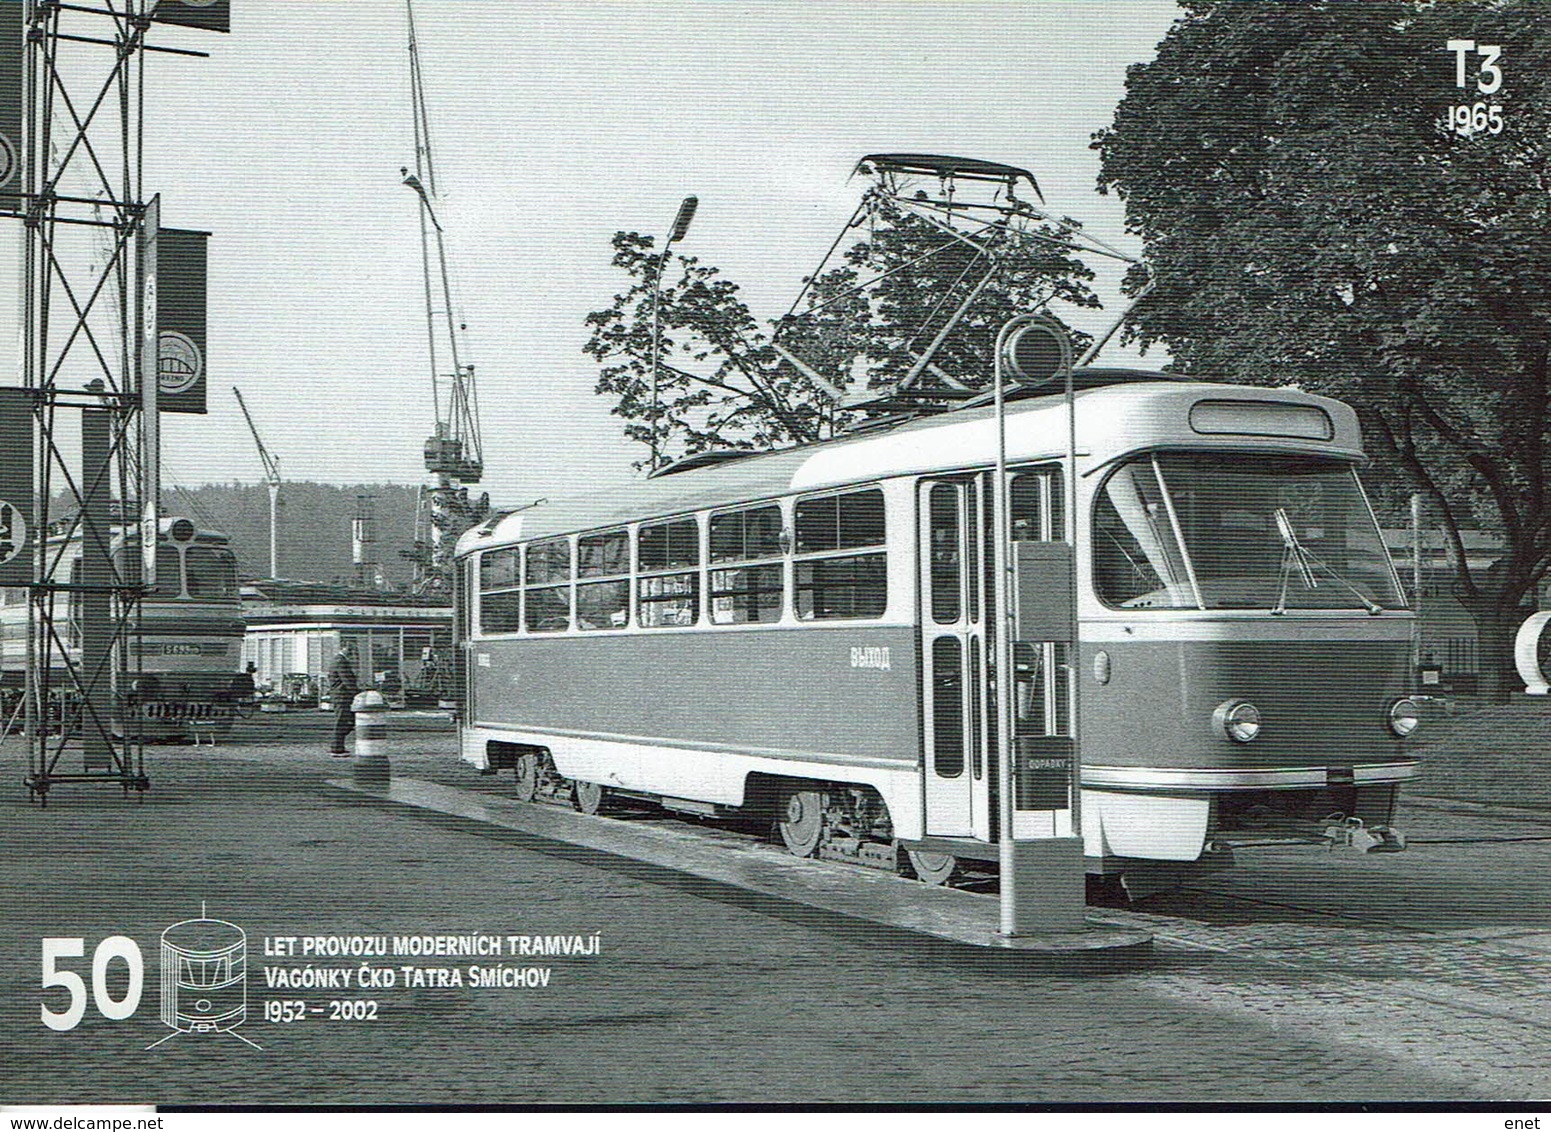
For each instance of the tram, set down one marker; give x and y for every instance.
(808, 634)
(186, 677)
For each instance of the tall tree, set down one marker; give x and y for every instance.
(1314, 213)
(721, 382)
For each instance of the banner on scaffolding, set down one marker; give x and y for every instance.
(13, 48)
(180, 320)
(212, 15)
(18, 531)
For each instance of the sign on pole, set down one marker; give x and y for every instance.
(212, 15)
(18, 530)
(13, 52)
(150, 401)
(180, 319)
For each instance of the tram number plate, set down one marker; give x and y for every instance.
(180, 650)
(1044, 773)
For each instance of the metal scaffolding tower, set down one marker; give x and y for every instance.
(89, 362)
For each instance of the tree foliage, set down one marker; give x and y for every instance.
(722, 384)
(730, 398)
(923, 276)
(1311, 218)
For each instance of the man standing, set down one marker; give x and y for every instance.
(342, 690)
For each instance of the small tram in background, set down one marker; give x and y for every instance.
(187, 677)
(809, 634)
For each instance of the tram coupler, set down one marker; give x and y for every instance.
(1352, 833)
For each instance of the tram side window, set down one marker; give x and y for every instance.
(1037, 506)
(832, 586)
(840, 522)
(169, 569)
(943, 525)
(948, 706)
(500, 598)
(605, 602)
(169, 572)
(547, 593)
(669, 562)
(750, 591)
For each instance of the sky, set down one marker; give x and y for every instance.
(554, 125)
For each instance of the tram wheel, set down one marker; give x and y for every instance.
(526, 770)
(802, 822)
(933, 868)
(586, 797)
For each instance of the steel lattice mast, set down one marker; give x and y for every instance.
(82, 358)
(90, 363)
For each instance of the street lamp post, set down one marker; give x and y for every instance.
(681, 221)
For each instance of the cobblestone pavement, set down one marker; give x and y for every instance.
(1300, 975)
(1440, 955)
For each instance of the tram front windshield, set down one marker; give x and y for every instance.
(211, 573)
(1194, 530)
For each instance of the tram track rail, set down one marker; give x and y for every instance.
(1167, 928)
(1311, 954)
(1319, 959)
(978, 876)
(1350, 962)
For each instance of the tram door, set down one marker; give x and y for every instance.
(954, 612)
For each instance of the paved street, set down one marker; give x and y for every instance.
(1299, 976)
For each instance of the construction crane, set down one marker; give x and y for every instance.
(452, 452)
(272, 480)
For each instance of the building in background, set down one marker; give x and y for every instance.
(1448, 640)
(398, 644)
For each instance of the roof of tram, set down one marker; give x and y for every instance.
(1156, 405)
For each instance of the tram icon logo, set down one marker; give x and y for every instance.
(179, 362)
(204, 978)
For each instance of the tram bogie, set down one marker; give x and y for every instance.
(808, 636)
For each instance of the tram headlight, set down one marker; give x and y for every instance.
(1404, 717)
(1239, 720)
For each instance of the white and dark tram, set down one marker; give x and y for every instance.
(808, 633)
